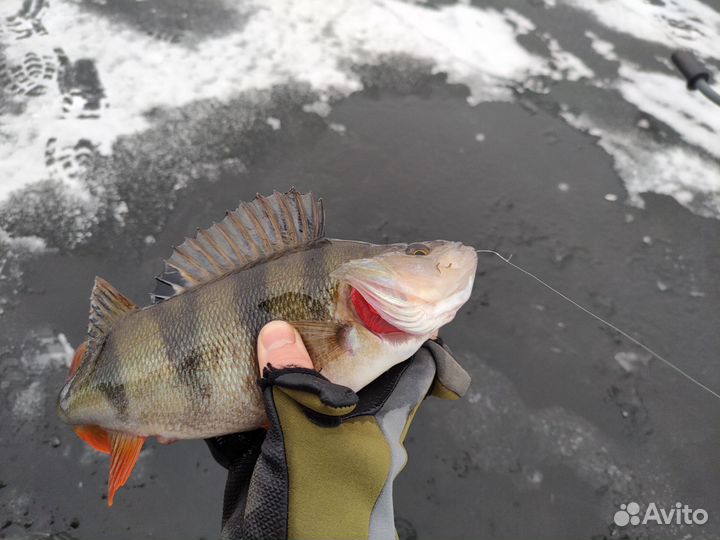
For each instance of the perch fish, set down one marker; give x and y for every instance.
(185, 367)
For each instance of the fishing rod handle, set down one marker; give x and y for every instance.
(692, 69)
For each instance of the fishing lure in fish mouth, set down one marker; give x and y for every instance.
(185, 366)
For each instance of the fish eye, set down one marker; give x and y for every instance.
(417, 249)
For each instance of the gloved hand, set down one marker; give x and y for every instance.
(326, 466)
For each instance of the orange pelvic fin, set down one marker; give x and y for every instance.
(166, 440)
(124, 452)
(77, 359)
(95, 436)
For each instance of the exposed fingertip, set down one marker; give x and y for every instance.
(280, 344)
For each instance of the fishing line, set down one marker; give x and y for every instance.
(606, 323)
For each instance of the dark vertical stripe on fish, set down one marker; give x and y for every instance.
(186, 359)
(167, 322)
(241, 300)
(193, 377)
(316, 305)
(114, 390)
(328, 263)
(259, 293)
(244, 295)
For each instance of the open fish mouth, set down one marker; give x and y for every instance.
(412, 293)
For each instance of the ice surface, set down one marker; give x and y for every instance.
(47, 138)
(663, 96)
(536, 438)
(279, 42)
(24, 377)
(648, 166)
(677, 23)
(568, 66)
(29, 402)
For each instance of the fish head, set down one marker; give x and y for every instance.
(415, 288)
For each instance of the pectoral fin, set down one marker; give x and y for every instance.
(124, 452)
(324, 340)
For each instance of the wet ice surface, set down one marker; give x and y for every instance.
(565, 420)
(81, 75)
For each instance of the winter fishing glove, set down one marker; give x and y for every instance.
(327, 464)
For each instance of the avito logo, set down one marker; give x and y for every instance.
(680, 514)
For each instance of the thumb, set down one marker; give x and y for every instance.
(280, 344)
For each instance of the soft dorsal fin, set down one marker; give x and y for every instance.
(255, 231)
(107, 306)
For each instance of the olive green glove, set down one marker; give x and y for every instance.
(327, 464)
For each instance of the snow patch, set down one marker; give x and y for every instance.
(602, 47)
(320, 107)
(665, 97)
(280, 42)
(121, 209)
(648, 166)
(24, 377)
(568, 66)
(25, 244)
(631, 361)
(52, 352)
(29, 402)
(274, 123)
(687, 24)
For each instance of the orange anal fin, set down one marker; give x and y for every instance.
(124, 452)
(95, 436)
(77, 359)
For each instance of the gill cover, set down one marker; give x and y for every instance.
(415, 290)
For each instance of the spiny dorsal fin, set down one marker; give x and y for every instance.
(255, 231)
(107, 306)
